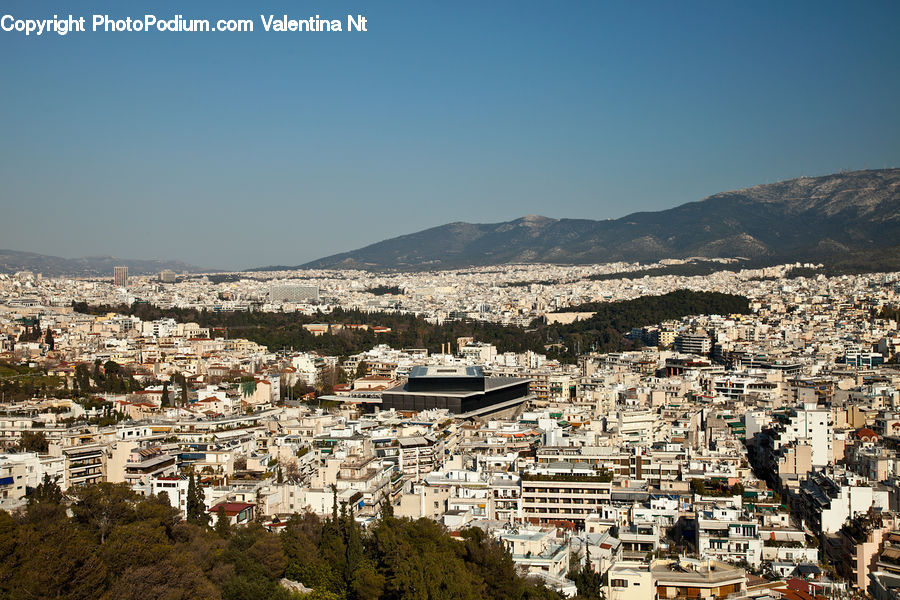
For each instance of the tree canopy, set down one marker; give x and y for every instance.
(118, 544)
(603, 332)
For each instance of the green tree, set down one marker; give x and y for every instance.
(268, 554)
(181, 380)
(133, 545)
(386, 510)
(164, 402)
(119, 545)
(698, 486)
(353, 545)
(33, 441)
(492, 562)
(419, 560)
(97, 375)
(173, 578)
(51, 558)
(362, 369)
(46, 491)
(195, 504)
(222, 527)
(103, 506)
(367, 583)
(83, 378)
(184, 391)
(158, 511)
(589, 583)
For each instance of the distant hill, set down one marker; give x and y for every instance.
(90, 266)
(851, 217)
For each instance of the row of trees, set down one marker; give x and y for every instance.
(604, 332)
(889, 312)
(108, 377)
(285, 330)
(19, 388)
(174, 397)
(116, 544)
(706, 487)
(382, 290)
(21, 382)
(18, 382)
(33, 333)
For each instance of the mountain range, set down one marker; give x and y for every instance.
(850, 221)
(12, 261)
(844, 218)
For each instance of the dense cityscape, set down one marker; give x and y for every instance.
(511, 300)
(750, 454)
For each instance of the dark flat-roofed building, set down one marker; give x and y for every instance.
(463, 391)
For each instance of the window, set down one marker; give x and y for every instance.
(619, 583)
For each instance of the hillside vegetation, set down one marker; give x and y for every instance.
(603, 332)
(117, 545)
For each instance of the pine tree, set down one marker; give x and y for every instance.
(83, 378)
(222, 527)
(362, 369)
(589, 583)
(334, 503)
(49, 340)
(47, 491)
(353, 545)
(165, 395)
(387, 509)
(196, 507)
(190, 507)
(184, 389)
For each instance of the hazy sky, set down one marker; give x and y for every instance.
(240, 150)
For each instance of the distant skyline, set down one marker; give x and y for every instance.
(232, 151)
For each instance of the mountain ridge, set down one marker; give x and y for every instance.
(806, 218)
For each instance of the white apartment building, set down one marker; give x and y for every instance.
(637, 427)
(420, 455)
(175, 487)
(550, 496)
(813, 426)
(729, 541)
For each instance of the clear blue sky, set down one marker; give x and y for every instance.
(240, 150)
